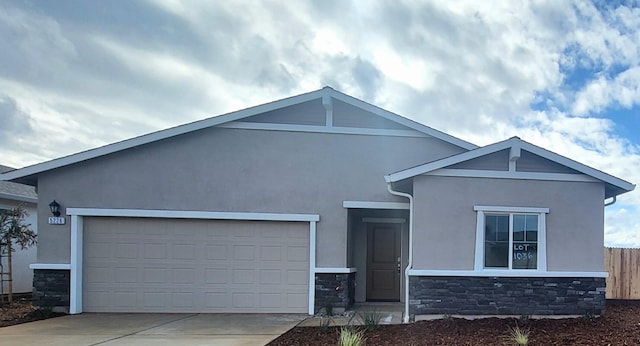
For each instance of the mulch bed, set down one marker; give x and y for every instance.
(620, 325)
(22, 312)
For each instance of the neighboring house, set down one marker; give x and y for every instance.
(284, 207)
(11, 196)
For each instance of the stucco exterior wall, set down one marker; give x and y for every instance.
(22, 274)
(237, 170)
(445, 222)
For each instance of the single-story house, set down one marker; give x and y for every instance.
(315, 200)
(13, 195)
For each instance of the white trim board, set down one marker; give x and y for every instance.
(490, 208)
(336, 270)
(508, 273)
(383, 220)
(77, 230)
(477, 173)
(375, 205)
(51, 266)
(323, 129)
(183, 214)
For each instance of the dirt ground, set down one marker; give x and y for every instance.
(22, 312)
(620, 325)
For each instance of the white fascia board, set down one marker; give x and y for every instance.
(508, 273)
(403, 121)
(602, 176)
(448, 161)
(478, 173)
(183, 214)
(375, 205)
(322, 129)
(336, 270)
(50, 266)
(159, 135)
(18, 198)
(489, 208)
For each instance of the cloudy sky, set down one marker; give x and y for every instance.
(564, 75)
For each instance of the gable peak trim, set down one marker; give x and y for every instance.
(327, 94)
(515, 145)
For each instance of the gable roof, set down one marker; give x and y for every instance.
(27, 174)
(15, 191)
(615, 186)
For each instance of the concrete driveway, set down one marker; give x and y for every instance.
(152, 329)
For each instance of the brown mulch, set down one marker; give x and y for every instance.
(620, 325)
(22, 312)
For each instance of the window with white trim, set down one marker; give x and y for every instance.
(510, 238)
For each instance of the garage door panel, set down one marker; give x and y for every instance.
(183, 276)
(99, 250)
(155, 251)
(297, 277)
(154, 299)
(137, 265)
(124, 275)
(244, 252)
(184, 251)
(297, 254)
(243, 276)
(216, 275)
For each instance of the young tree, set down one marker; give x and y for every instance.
(14, 231)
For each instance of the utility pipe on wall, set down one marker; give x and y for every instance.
(405, 318)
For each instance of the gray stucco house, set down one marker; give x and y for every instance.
(320, 199)
(13, 195)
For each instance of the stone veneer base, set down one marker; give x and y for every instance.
(335, 290)
(506, 295)
(51, 288)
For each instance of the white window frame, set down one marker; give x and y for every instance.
(542, 236)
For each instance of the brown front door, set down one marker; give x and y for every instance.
(383, 261)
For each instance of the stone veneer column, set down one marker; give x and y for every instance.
(51, 288)
(337, 290)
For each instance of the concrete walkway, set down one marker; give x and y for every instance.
(152, 329)
(385, 313)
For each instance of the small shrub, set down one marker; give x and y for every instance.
(371, 319)
(447, 317)
(325, 323)
(589, 317)
(518, 336)
(524, 319)
(44, 312)
(350, 337)
(328, 309)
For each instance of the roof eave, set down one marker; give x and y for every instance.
(622, 185)
(19, 198)
(31, 172)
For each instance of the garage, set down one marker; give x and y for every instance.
(133, 264)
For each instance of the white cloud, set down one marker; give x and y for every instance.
(470, 68)
(599, 94)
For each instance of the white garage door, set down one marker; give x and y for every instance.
(167, 265)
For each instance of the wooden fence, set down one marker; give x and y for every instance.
(623, 266)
